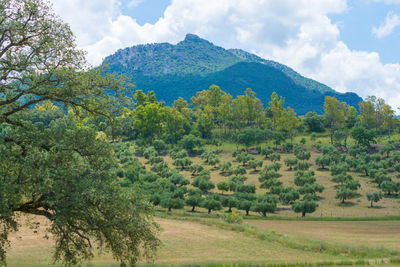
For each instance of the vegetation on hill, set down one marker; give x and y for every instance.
(79, 150)
(194, 64)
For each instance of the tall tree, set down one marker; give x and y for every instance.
(276, 109)
(62, 172)
(334, 114)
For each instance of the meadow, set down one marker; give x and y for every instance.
(352, 234)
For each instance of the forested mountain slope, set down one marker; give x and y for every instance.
(194, 64)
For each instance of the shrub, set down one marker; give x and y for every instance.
(233, 217)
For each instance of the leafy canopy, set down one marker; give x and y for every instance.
(58, 168)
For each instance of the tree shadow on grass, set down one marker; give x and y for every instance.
(376, 207)
(346, 204)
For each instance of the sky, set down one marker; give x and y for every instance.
(350, 45)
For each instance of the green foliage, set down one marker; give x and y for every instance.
(55, 166)
(191, 143)
(211, 202)
(249, 136)
(314, 122)
(288, 195)
(265, 204)
(225, 167)
(275, 157)
(150, 152)
(223, 186)
(304, 177)
(194, 199)
(363, 136)
(196, 168)
(255, 163)
(229, 202)
(301, 166)
(374, 197)
(290, 162)
(323, 161)
(267, 151)
(183, 162)
(304, 206)
(233, 217)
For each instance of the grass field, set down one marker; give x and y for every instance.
(206, 241)
(335, 234)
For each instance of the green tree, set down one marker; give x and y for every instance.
(229, 202)
(211, 202)
(288, 195)
(149, 120)
(276, 110)
(290, 162)
(264, 204)
(246, 201)
(223, 186)
(374, 197)
(194, 199)
(304, 206)
(225, 167)
(334, 114)
(63, 172)
(314, 122)
(191, 143)
(363, 136)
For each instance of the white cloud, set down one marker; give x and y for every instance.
(392, 21)
(134, 3)
(298, 33)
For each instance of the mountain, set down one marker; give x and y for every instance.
(194, 64)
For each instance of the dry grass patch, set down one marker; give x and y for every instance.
(184, 242)
(372, 234)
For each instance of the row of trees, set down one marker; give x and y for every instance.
(213, 115)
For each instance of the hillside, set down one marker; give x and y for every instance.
(194, 64)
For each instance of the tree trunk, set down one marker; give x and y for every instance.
(247, 212)
(372, 203)
(264, 214)
(193, 208)
(209, 211)
(343, 200)
(230, 210)
(303, 214)
(169, 209)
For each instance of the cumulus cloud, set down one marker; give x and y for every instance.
(392, 21)
(297, 33)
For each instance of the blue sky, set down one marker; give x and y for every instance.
(147, 11)
(350, 45)
(356, 25)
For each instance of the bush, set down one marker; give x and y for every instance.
(233, 217)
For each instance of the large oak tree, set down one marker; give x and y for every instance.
(60, 170)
